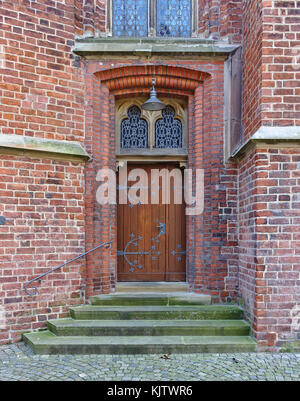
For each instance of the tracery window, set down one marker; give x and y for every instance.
(138, 130)
(161, 18)
(168, 130)
(134, 130)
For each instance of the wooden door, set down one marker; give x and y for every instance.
(151, 237)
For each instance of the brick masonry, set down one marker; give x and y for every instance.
(43, 204)
(269, 260)
(268, 177)
(41, 90)
(271, 42)
(246, 242)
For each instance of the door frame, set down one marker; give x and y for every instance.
(181, 162)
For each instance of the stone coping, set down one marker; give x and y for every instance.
(15, 144)
(152, 46)
(269, 136)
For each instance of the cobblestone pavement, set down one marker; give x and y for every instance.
(17, 362)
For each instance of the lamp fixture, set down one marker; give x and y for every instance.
(153, 103)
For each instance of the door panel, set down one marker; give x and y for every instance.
(151, 238)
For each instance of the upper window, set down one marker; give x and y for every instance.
(162, 18)
(173, 18)
(130, 18)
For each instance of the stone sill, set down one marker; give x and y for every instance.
(39, 147)
(269, 136)
(152, 46)
(152, 152)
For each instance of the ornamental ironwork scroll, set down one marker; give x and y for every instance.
(134, 239)
(174, 18)
(168, 130)
(153, 251)
(134, 130)
(130, 18)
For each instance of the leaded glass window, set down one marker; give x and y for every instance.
(134, 130)
(130, 18)
(168, 130)
(173, 18)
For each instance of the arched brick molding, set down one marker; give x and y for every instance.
(201, 89)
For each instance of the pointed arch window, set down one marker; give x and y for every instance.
(134, 130)
(168, 130)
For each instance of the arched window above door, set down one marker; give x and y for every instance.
(139, 131)
(134, 130)
(168, 130)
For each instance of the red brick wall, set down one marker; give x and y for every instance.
(269, 242)
(252, 66)
(90, 17)
(41, 91)
(280, 95)
(271, 46)
(247, 234)
(41, 86)
(268, 209)
(43, 204)
(220, 19)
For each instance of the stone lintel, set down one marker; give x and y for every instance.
(152, 46)
(44, 148)
(283, 136)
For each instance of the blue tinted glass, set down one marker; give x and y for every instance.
(173, 18)
(130, 18)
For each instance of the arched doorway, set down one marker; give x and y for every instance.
(151, 211)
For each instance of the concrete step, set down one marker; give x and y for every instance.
(200, 312)
(153, 298)
(48, 343)
(71, 327)
(161, 286)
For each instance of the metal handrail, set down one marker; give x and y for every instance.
(34, 290)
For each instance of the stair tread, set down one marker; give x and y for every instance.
(156, 308)
(148, 323)
(48, 338)
(149, 295)
(138, 295)
(151, 298)
(152, 287)
(152, 295)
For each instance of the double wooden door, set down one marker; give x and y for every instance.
(151, 237)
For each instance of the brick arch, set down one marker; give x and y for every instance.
(137, 79)
(206, 266)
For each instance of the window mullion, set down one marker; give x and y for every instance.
(152, 18)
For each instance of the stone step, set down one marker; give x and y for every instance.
(71, 327)
(163, 299)
(200, 312)
(161, 286)
(48, 343)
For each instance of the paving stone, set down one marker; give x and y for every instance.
(17, 363)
